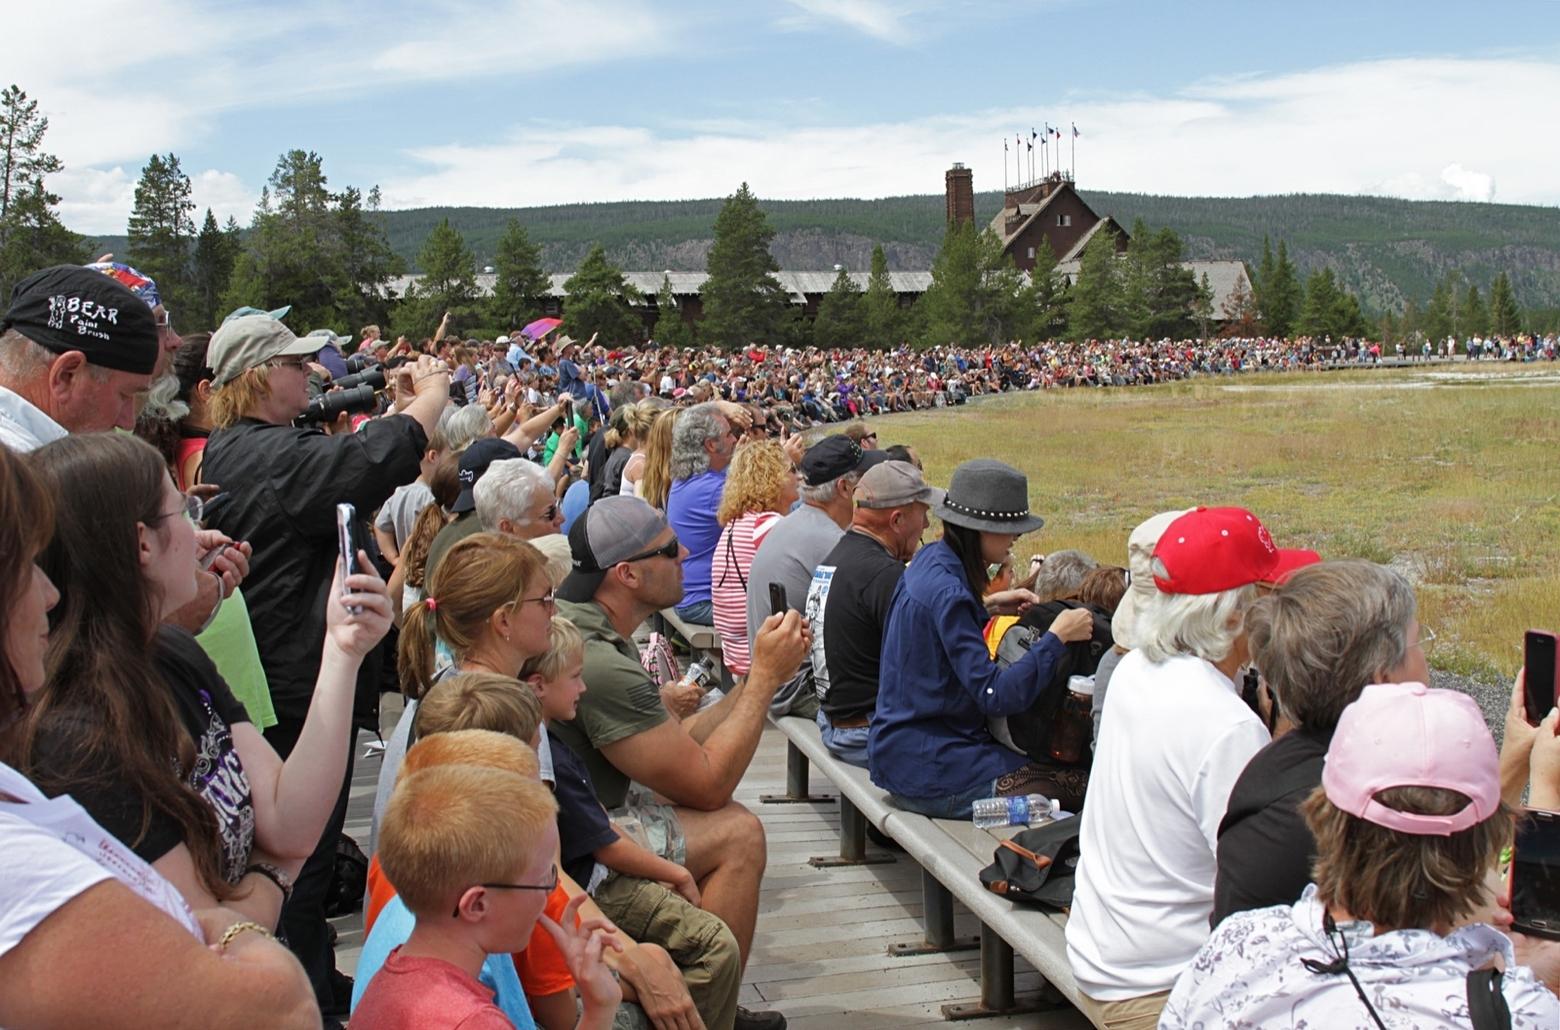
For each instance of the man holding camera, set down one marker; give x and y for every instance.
(281, 484)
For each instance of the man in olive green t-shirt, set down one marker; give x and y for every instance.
(628, 566)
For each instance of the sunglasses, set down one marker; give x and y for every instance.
(670, 550)
(547, 887)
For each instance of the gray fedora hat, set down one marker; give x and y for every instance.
(990, 496)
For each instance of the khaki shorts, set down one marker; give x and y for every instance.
(1129, 1014)
(653, 824)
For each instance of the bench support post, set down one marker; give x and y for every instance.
(996, 984)
(853, 841)
(795, 781)
(938, 919)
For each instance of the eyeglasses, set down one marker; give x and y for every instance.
(670, 550)
(298, 363)
(166, 321)
(548, 600)
(1426, 638)
(546, 887)
(193, 507)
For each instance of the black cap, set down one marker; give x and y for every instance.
(474, 461)
(834, 456)
(68, 307)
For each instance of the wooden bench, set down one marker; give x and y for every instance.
(703, 641)
(951, 854)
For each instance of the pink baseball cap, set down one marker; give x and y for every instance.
(1410, 735)
(1210, 550)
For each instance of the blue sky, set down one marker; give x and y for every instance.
(519, 102)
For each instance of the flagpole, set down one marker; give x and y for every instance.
(1075, 151)
(1004, 166)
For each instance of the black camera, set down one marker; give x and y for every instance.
(360, 362)
(374, 377)
(328, 407)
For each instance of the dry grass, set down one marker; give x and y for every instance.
(1455, 482)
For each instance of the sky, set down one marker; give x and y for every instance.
(515, 103)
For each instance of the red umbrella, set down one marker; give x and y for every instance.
(540, 328)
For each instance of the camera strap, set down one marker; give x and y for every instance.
(1340, 964)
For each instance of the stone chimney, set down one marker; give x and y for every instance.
(959, 183)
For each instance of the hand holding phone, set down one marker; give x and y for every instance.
(1535, 875)
(346, 535)
(777, 599)
(1538, 679)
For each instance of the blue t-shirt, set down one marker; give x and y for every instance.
(690, 510)
(391, 930)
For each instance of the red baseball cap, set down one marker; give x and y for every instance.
(1209, 550)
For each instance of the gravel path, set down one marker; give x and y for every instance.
(1493, 698)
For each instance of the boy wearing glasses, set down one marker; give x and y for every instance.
(477, 886)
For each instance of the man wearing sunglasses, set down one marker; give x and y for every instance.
(628, 566)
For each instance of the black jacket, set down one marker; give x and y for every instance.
(281, 486)
(1031, 730)
(1265, 849)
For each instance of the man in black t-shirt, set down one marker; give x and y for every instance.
(848, 601)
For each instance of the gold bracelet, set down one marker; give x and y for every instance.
(233, 931)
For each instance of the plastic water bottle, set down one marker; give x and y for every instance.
(1022, 810)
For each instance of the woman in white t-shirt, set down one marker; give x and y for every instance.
(77, 908)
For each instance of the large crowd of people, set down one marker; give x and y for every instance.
(219, 551)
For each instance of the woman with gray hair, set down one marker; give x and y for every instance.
(1174, 737)
(1318, 640)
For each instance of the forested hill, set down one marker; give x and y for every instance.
(1384, 249)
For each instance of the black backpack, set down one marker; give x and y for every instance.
(1037, 866)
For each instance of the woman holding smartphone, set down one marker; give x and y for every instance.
(137, 725)
(76, 906)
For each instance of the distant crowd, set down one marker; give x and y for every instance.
(218, 550)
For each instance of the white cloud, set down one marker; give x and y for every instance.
(1375, 127)
(223, 192)
(1470, 185)
(880, 20)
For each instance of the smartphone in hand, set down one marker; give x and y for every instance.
(777, 599)
(346, 535)
(1538, 679)
(1535, 875)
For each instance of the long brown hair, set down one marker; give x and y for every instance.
(105, 696)
(476, 577)
(26, 521)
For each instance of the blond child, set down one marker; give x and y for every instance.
(477, 886)
(651, 898)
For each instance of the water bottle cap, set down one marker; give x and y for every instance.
(1081, 685)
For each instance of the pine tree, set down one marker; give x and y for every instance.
(215, 252)
(884, 321)
(597, 299)
(670, 329)
(1281, 295)
(162, 229)
(1094, 311)
(1242, 315)
(448, 283)
(976, 292)
(1042, 303)
(1505, 316)
(521, 284)
(31, 235)
(1321, 299)
(367, 263)
(1264, 275)
(1473, 319)
(841, 320)
(1440, 317)
(743, 301)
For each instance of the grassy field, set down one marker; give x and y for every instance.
(1450, 476)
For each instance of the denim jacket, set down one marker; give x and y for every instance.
(938, 684)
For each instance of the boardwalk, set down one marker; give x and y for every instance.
(820, 953)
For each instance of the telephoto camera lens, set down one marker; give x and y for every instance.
(374, 377)
(330, 406)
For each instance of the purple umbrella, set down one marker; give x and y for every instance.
(540, 328)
